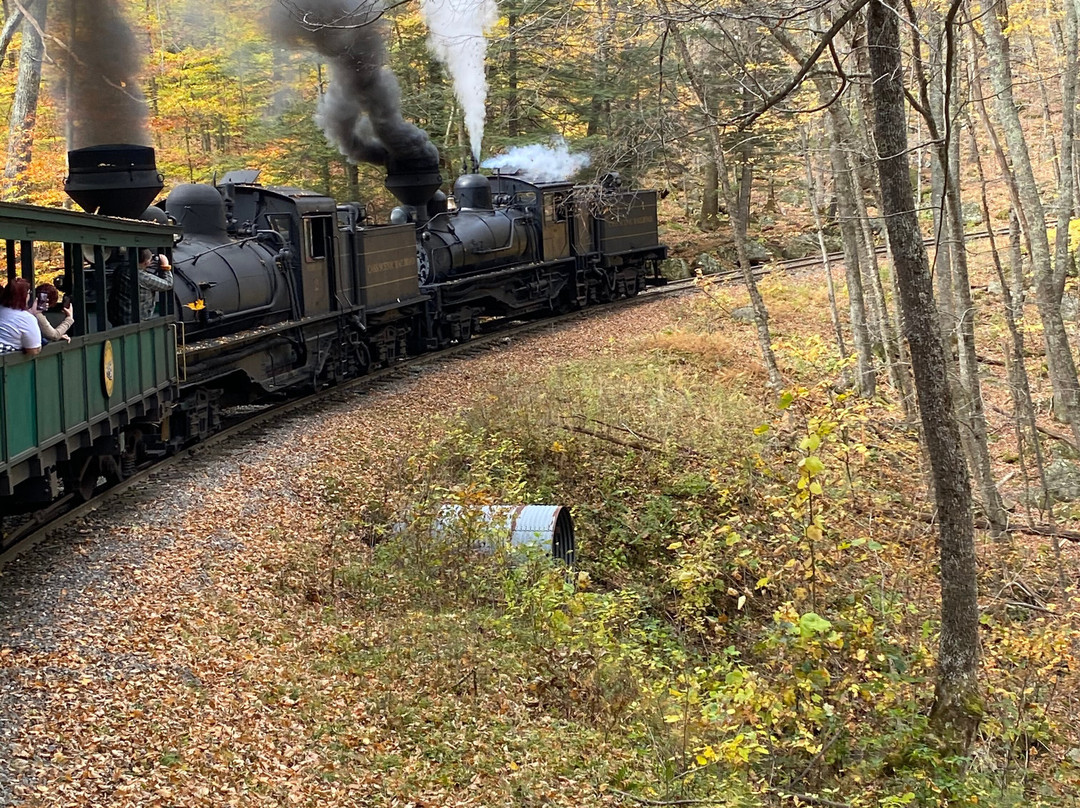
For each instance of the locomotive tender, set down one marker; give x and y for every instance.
(277, 288)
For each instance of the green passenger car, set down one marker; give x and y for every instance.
(85, 409)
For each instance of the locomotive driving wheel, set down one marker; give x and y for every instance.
(83, 472)
(112, 468)
(423, 267)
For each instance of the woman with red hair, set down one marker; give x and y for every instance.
(18, 329)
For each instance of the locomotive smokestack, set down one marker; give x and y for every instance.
(115, 180)
(413, 182)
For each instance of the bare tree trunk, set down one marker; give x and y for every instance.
(1016, 277)
(738, 206)
(838, 129)
(20, 147)
(1059, 357)
(971, 402)
(935, 100)
(845, 193)
(600, 108)
(881, 324)
(513, 97)
(812, 198)
(11, 25)
(939, 100)
(957, 693)
(1066, 190)
(1048, 121)
(1017, 372)
(709, 201)
(890, 329)
(739, 217)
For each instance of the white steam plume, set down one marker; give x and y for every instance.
(540, 162)
(456, 37)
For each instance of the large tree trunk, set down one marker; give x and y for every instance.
(20, 146)
(957, 693)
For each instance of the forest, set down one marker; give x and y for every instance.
(842, 571)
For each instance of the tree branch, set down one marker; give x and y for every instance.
(646, 801)
(1066, 439)
(11, 25)
(748, 118)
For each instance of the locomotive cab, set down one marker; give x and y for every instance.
(253, 256)
(549, 203)
(307, 223)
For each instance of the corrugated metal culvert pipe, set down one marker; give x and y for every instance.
(546, 527)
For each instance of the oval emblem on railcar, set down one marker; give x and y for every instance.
(108, 368)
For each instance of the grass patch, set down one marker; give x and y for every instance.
(753, 616)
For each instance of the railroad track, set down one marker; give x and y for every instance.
(34, 528)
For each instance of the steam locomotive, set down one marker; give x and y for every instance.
(277, 288)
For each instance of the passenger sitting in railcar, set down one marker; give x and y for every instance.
(18, 329)
(45, 300)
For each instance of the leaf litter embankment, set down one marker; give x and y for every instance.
(754, 616)
(154, 656)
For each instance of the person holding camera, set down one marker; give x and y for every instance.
(46, 300)
(155, 276)
(18, 328)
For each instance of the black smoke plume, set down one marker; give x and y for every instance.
(361, 110)
(102, 65)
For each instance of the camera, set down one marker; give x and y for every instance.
(43, 301)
